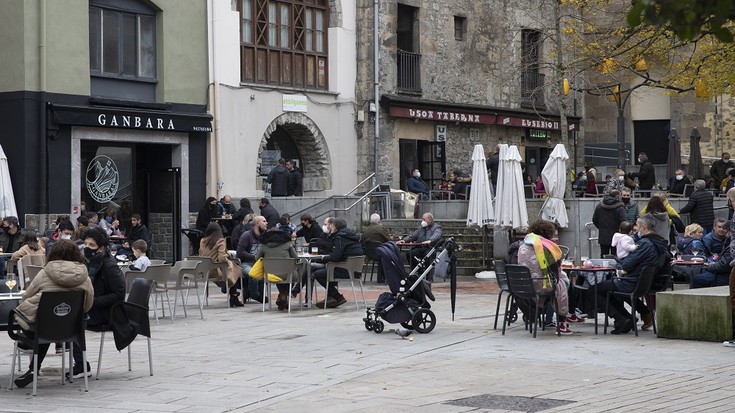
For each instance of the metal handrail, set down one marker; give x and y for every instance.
(297, 214)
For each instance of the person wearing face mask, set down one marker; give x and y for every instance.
(678, 182)
(580, 184)
(269, 212)
(608, 216)
(720, 167)
(209, 210)
(109, 288)
(345, 244)
(646, 174)
(415, 185)
(630, 205)
(616, 182)
(427, 234)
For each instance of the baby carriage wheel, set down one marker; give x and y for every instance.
(378, 327)
(368, 326)
(424, 321)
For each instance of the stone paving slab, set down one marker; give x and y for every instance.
(244, 360)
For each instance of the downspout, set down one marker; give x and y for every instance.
(376, 75)
(43, 149)
(215, 157)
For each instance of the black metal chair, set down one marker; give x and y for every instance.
(135, 308)
(660, 283)
(59, 319)
(520, 284)
(502, 280)
(643, 285)
(372, 258)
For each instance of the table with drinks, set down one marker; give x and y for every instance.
(606, 267)
(306, 254)
(9, 299)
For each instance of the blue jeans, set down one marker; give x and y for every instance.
(255, 287)
(709, 279)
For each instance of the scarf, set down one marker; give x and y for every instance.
(548, 255)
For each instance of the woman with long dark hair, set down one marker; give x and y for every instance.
(213, 246)
(209, 210)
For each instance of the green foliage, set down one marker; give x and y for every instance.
(688, 19)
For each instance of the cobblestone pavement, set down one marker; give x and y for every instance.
(243, 360)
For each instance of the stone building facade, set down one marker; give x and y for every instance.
(453, 74)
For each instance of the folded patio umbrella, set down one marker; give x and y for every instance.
(554, 177)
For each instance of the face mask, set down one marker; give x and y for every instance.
(621, 178)
(108, 219)
(424, 224)
(626, 201)
(65, 236)
(417, 175)
(639, 160)
(640, 234)
(325, 229)
(726, 160)
(90, 253)
(679, 177)
(584, 178)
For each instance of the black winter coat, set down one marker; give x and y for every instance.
(279, 178)
(607, 217)
(109, 287)
(700, 208)
(345, 243)
(646, 176)
(270, 214)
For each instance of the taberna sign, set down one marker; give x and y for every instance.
(127, 119)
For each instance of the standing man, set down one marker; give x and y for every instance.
(428, 233)
(415, 185)
(278, 178)
(631, 208)
(109, 288)
(493, 163)
(269, 212)
(608, 215)
(295, 182)
(720, 167)
(10, 238)
(700, 207)
(646, 175)
(345, 244)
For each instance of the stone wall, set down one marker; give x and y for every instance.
(160, 226)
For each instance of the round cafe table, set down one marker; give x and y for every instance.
(572, 269)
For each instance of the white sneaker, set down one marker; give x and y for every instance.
(730, 343)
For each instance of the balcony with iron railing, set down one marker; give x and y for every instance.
(532, 89)
(409, 72)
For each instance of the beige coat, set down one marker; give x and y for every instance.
(55, 276)
(219, 254)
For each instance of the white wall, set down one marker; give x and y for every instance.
(647, 103)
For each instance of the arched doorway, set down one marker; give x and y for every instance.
(295, 136)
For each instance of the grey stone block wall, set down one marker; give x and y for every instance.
(160, 226)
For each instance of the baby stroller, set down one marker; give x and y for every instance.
(407, 303)
(194, 236)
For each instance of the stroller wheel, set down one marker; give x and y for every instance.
(424, 321)
(407, 324)
(368, 326)
(378, 327)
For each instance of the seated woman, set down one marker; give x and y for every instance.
(30, 247)
(276, 243)
(538, 244)
(213, 246)
(692, 240)
(539, 189)
(64, 271)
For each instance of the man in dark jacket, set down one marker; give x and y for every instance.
(652, 251)
(295, 182)
(415, 185)
(245, 209)
(278, 178)
(717, 241)
(10, 238)
(269, 212)
(493, 163)
(247, 247)
(700, 207)
(646, 175)
(345, 244)
(678, 183)
(108, 283)
(310, 229)
(427, 234)
(608, 215)
(137, 231)
(715, 273)
(719, 168)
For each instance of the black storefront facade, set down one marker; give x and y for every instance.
(74, 154)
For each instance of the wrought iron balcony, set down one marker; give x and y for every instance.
(532, 89)
(409, 72)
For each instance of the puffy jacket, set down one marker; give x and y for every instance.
(55, 276)
(431, 233)
(631, 211)
(345, 243)
(276, 244)
(713, 244)
(279, 178)
(608, 215)
(652, 251)
(109, 286)
(417, 186)
(700, 208)
(686, 244)
(646, 176)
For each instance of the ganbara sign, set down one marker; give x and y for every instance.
(102, 179)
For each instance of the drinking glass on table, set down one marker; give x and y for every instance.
(10, 281)
(695, 250)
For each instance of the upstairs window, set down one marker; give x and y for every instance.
(284, 42)
(460, 28)
(122, 44)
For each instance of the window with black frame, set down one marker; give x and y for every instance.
(284, 42)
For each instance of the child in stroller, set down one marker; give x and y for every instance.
(407, 303)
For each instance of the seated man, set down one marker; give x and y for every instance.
(415, 185)
(345, 244)
(428, 233)
(652, 251)
(715, 241)
(715, 273)
(138, 231)
(247, 247)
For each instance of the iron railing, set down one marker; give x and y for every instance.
(532, 89)
(409, 72)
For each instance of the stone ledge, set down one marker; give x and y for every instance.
(697, 314)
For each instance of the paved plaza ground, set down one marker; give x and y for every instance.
(243, 360)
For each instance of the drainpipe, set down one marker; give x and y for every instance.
(43, 149)
(215, 156)
(376, 75)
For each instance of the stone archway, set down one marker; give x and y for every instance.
(311, 146)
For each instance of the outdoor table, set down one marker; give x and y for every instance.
(696, 265)
(595, 269)
(403, 246)
(8, 301)
(306, 258)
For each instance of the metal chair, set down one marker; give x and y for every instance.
(502, 280)
(30, 273)
(353, 265)
(207, 265)
(372, 258)
(135, 309)
(184, 275)
(520, 284)
(643, 285)
(159, 274)
(285, 268)
(157, 262)
(59, 319)
(38, 260)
